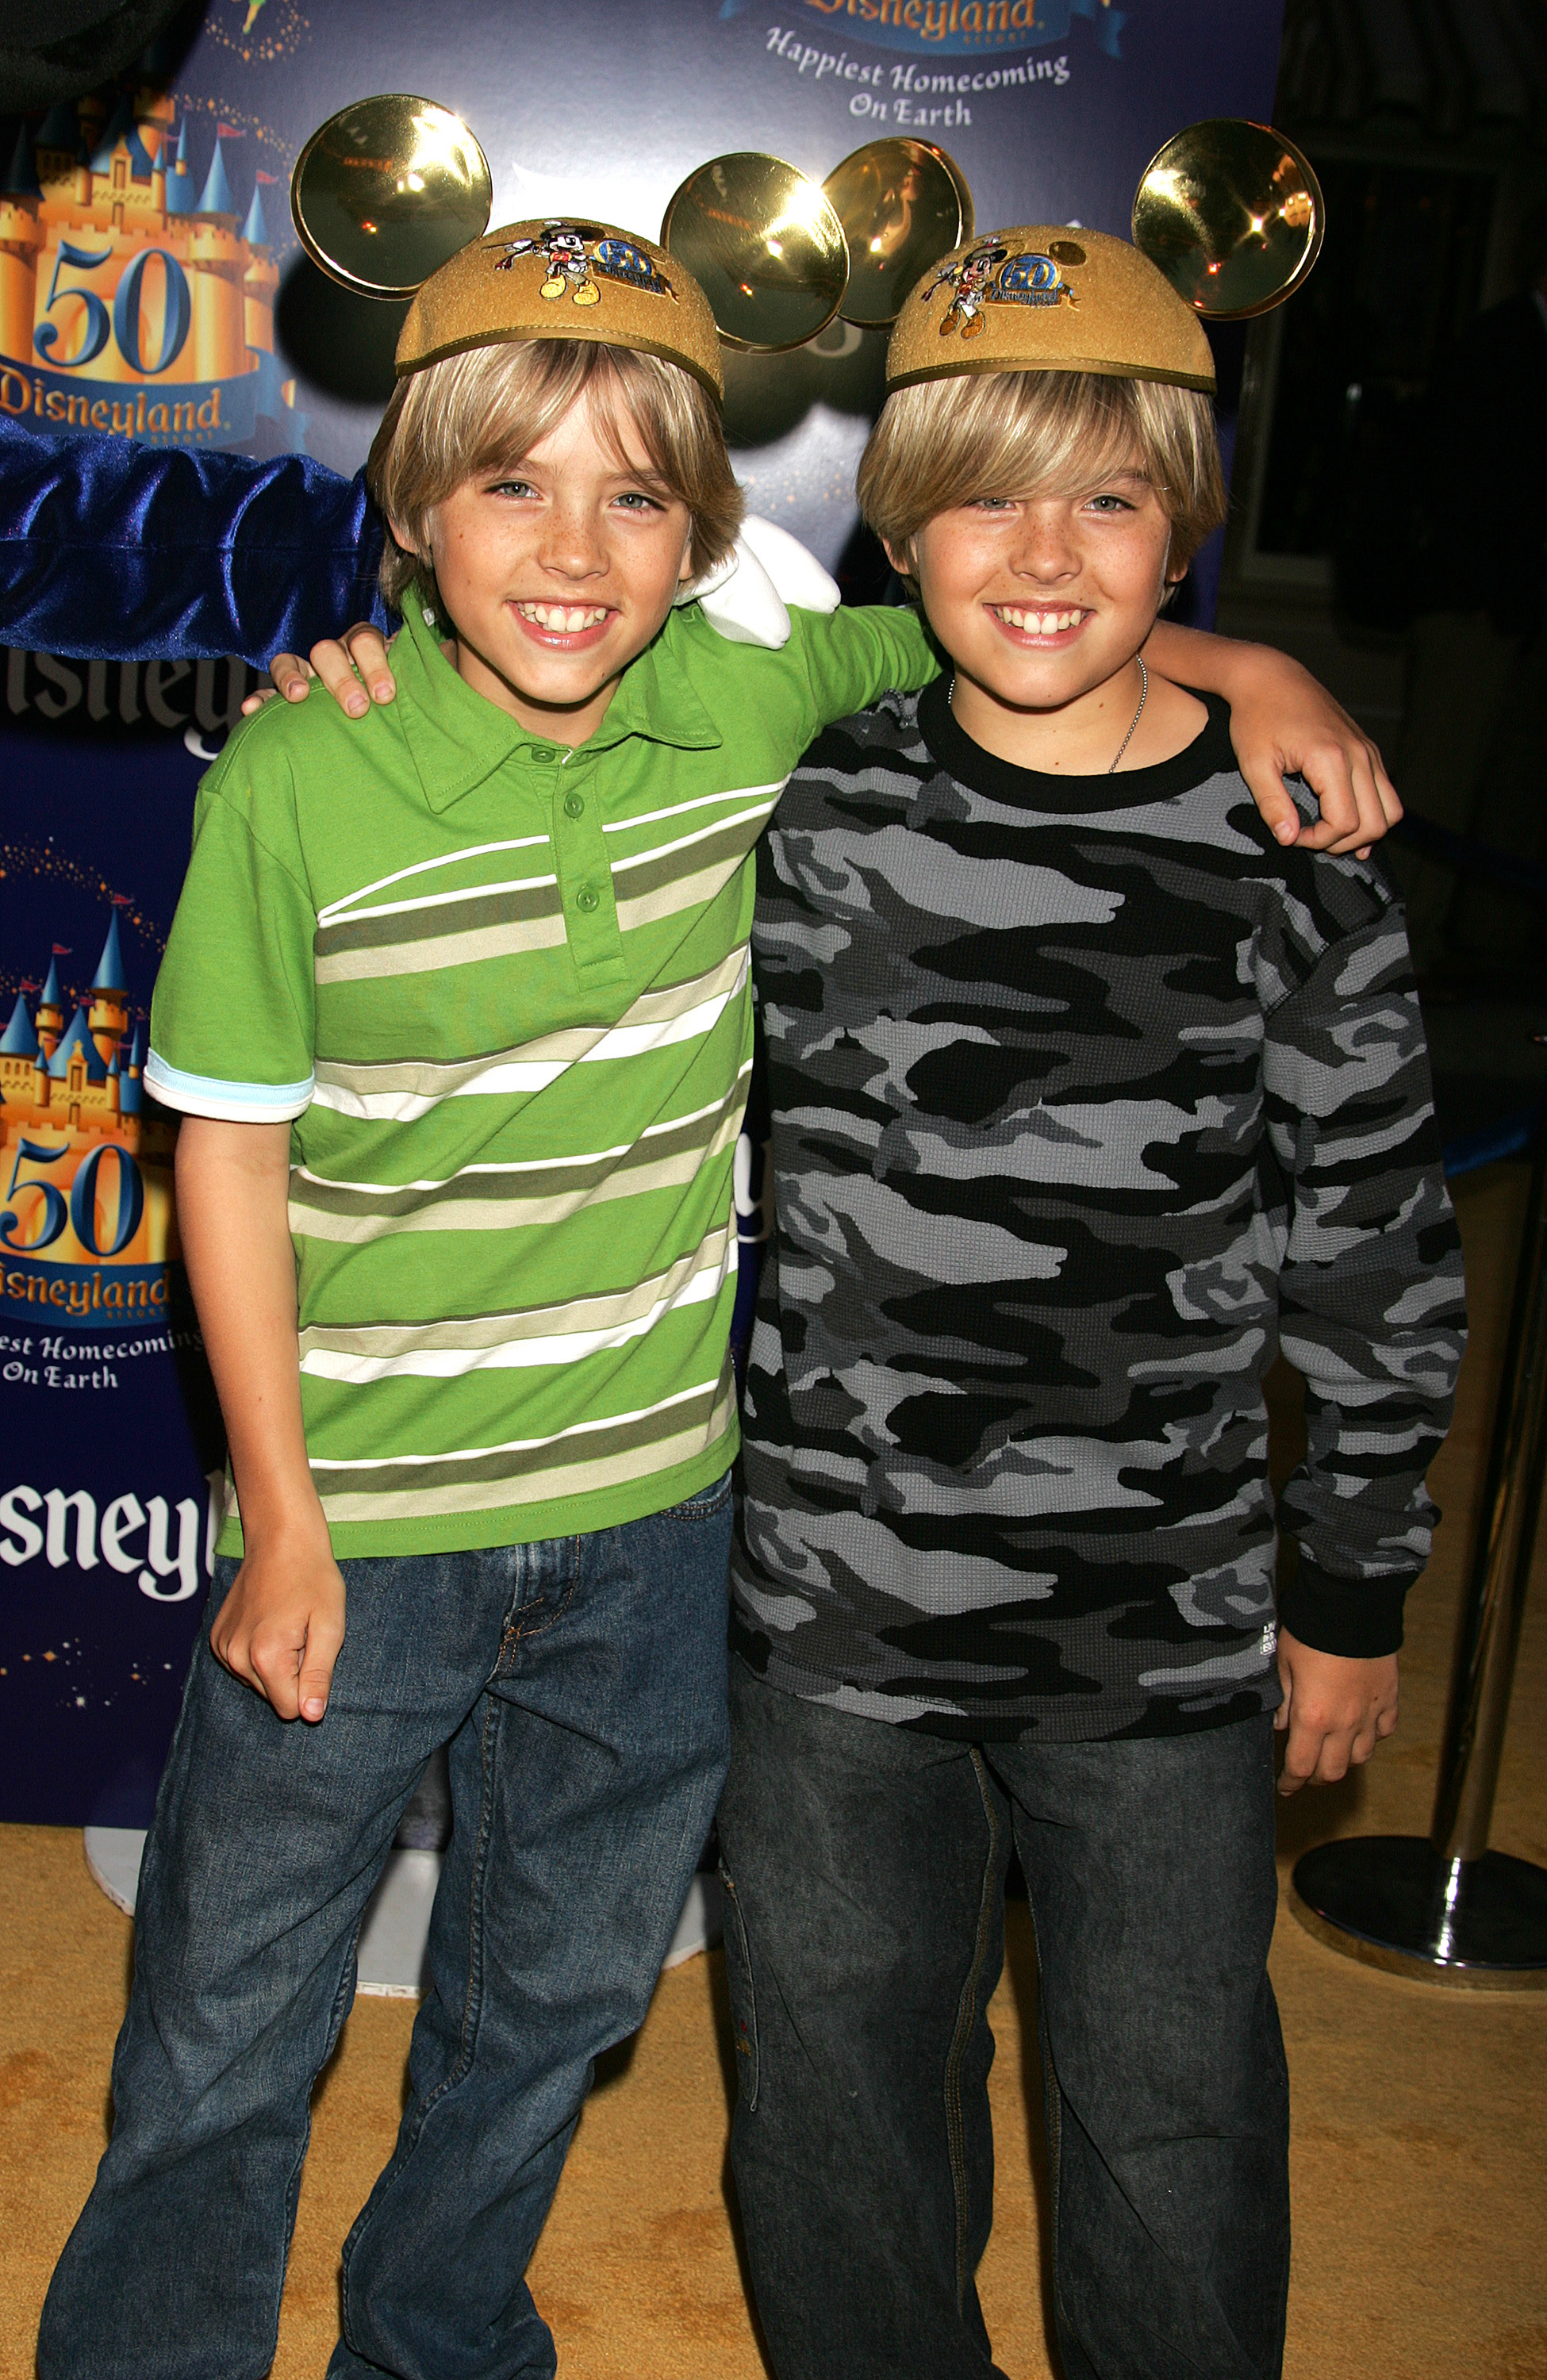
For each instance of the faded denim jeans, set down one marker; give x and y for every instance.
(582, 1682)
(864, 1866)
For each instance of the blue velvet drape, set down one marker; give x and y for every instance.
(124, 551)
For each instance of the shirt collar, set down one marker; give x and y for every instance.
(456, 737)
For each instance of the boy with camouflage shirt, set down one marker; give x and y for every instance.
(1087, 1097)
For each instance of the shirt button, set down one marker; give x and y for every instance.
(587, 899)
(539, 752)
(573, 806)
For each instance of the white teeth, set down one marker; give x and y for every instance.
(1037, 624)
(564, 619)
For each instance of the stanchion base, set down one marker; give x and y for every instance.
(1393, 1901)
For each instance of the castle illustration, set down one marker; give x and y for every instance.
(121, 269)
(83, 1077)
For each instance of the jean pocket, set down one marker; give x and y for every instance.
(705, 1504)
(743, 1997)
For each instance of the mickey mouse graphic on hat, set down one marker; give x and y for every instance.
(563, 248)
(969, 278)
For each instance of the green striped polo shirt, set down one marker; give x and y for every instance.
(500, 990)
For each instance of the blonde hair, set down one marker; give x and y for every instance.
(945, 442)
(486, 411)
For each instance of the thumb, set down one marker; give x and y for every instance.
(1272, 796)
(314, 1682)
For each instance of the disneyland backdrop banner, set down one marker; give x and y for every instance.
(152, 288)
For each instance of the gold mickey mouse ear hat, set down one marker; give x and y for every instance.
(563, 280)
(1227, 221)
(1040, 298)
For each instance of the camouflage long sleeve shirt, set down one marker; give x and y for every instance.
(1087, 1097)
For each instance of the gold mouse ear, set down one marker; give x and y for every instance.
(903, 205)
(764, 244)
(388, 190)
(1233, 215)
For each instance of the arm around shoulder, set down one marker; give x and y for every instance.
(1283, 722)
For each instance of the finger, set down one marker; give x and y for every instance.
(1300, 1755)
(1327, 772)
(1366, 797)
(223, 1645)
(1385, 1721)
(276, 1661)
(322, 1641)
(368, 653)
(251, 702)
(331, 663)
(292, 676)
(1391, 800)
(1271, 795)
(1363, 1744)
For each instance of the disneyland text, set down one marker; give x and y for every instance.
(110, 1539)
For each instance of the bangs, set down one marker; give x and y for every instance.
(943, 444)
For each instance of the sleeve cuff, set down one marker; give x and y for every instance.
(226, 1102)
(1358, 1618)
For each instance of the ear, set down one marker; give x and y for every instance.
(410, 545)
(687, 571)
(900, 554)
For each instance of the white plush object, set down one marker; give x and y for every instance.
(744, 597)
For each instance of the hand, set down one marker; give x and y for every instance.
(1294, 724)
(281, 1627)
(355, 671)
(1335, 1711)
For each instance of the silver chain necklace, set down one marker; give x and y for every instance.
(1143, 694)
(1143, 690)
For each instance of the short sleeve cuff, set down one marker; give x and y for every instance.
(1357, 1619)
(225, 1103)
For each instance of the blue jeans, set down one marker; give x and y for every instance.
(864, 1866)
(582, 1683)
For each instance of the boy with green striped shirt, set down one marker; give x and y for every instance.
(456, 1011)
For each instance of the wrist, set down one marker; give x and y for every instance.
(288, 1520)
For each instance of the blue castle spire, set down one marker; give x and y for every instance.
(179, 181)
(110, 975)
(255, 231)
(216, 199)
(77, 1036)
(140, 167)
(60, 127)
(120, 127)
(18, 1039)
(22, 179)
(51, 996)
(137, 1051)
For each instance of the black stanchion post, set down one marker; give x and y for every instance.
(1446, 1909)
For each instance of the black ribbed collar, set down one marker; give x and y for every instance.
(1209, 755)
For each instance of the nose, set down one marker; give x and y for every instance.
(572, 545)
(1046, 552)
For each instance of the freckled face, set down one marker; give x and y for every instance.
(554, 579)
(1041, 600)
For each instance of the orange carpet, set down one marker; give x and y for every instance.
(1420, 2115)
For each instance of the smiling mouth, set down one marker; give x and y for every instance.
(1039, 623)
(564, 619)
